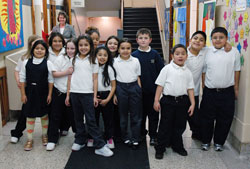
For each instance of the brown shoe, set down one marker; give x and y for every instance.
(28, 145)
(45, 140)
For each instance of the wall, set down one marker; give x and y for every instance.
(139, 3)
(79, 16)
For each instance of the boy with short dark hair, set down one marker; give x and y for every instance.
(151, 65)
(222, 71)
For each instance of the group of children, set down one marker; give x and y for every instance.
(64, 86)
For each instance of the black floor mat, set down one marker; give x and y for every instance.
(124, 158)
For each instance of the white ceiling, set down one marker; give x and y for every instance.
(102, 5)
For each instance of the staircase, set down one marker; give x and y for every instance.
(136, 18)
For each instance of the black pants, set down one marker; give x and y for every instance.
(83, 104)
(20, 126)
(117, 128)
(129, 101)
(107, 114)
(174, 112)
(217, 111)
(194, 120)
(58, 108)
(153, 116)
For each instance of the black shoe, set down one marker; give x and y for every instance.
(153, 141)
(181, 151)
(135, 145)
(159, 156)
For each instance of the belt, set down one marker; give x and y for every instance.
(220, 89)
(126, 84)
(176, 98)
(58, 92)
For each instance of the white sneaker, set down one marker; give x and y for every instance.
(90, 143)
(50, 146)
(77, 147)
(104, 151)
(14, 140)
(110, 143)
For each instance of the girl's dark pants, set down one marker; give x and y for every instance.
(20, 126)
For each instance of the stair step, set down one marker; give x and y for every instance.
(134, 35)
(138, 19)
(139, 9)
(153, 31)
(139, 24)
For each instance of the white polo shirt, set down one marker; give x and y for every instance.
(175, 80)
(36, 61)
(195, 64)
(127, 71)
(220, 67)
(52, 56)
(82, 77)
(111, 74)
(61, 64)
(19, 64)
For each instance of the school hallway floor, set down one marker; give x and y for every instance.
(12, 156)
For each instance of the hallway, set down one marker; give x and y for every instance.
(12, 156)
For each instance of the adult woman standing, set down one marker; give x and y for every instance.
(63, 27)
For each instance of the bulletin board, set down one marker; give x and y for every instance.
(179, 23)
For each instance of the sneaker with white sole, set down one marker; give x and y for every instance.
(77, 147)
(218, 147)
(90, 143)
(104, 151)
(205, 147)
(14, 140)
(110, 143)
(50, 146)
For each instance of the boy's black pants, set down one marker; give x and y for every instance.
(20, 126)
(217, 111)
(129, 101)
(174, 112)
(153, 116)
(194, 120)
(107, 114)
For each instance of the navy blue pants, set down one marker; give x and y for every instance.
(194, 120)
(153, 116)
(129, 101)
(107, 114)
(217, 112)
(20, 126)
(83, 104)
(174, 112)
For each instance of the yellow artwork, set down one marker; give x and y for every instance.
(227, 2)
(245, 16)
(175, 26)
(174, 15)
(242, 33)
(173, 42)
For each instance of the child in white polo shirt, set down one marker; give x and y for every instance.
(222, 71)
(175, 82)
(128, 92)
(83, 95)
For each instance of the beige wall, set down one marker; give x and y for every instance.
(139, 3)
(82, 19)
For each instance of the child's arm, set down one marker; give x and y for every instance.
(50, 92)
(139, 81)
(68, 71)
(203, 80)
(236, 83)
(192, 101)
(228, 47)
(111, 93)
(68, 88)
(16, 73)
(158, 93)
(95, 82)
(23, 94)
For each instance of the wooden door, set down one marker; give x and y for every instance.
(4, 96)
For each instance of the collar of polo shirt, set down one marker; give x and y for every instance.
(177, 66)
(192, 55)
(215, 50)
(119, 59)
(149, 49)
(81, 58)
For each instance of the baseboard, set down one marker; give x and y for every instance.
(241, 148)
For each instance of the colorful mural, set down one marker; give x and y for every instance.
(11, 25)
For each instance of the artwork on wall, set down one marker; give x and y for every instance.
(208, 19)
(11, 25)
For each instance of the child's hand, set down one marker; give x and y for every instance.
(115, 101)
(70, 70)
(103, 102)
(228, 47)
(18, 84)
(157, 106)
(67, 103)
(191, 110)
(95, 102)
(236, 92)
(24, 99)
(48, 99)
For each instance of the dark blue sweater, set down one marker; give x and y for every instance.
(151, 65)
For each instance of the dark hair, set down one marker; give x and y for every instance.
(178, 46)
(117, 39)
(123, 40)
(90, 30)
(73, 40)
(31, 39)
(44, 45)
(91, 52)
(64, 14)
(201, 33)
(55, 34)
(105, 73)
(219, 29)
(144, 31)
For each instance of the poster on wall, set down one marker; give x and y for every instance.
(11, 25)
(241, 5)
(208, 21)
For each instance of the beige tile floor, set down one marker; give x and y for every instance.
(12, 156)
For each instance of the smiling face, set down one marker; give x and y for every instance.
(197, 42)
(219, 40)
(57, 44)
(125, 50)
(39, 51)
(179, 56)
(62, 20)
(102, 56)
(95, 37)
(84, 47)
(143, 40)
(112, 45)
(70, 49)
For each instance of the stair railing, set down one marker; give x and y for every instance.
(122, 8)
(160, 9)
